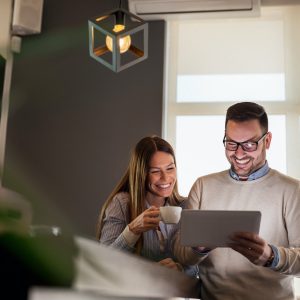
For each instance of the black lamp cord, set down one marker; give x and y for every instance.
(120, 15)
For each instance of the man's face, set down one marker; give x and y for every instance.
(244, 163)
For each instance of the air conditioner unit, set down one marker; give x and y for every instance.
(189, 9)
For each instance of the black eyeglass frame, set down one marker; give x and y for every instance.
(242, 144)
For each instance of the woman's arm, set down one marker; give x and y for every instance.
(115, 231)
(118, 231)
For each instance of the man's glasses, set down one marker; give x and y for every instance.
(248, 146)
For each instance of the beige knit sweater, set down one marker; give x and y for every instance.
(226, 274)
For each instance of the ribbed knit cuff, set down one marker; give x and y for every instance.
(201, 252)
(130, 237)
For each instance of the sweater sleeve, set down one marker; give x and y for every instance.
(187, 255)
(289, 263)
(289, 257)
(115, 230)
(193, 201)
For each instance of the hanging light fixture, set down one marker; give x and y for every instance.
(118, 39)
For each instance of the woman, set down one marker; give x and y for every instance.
(129, 219)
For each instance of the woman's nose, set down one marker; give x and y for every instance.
(163, 175)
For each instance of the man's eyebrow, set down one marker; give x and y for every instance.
(249, 140)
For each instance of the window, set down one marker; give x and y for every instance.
(230, 60)
(212, 63)
(199, 147)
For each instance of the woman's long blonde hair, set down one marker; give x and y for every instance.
(134, 180)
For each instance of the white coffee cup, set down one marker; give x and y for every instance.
(170, 214)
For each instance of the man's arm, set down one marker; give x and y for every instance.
(259, 252)
(193, 201)
(189, 255)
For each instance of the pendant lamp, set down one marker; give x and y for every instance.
(118, 39)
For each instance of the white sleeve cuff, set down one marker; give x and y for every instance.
(130, 237)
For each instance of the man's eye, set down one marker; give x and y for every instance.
(230, 145)
(249, 144)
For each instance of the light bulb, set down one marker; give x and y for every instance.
(124, 42)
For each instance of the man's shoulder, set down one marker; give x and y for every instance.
(217, 176)
(279, 177)
(220, 174)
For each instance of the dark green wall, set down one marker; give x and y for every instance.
(2, 69)
(72, 121)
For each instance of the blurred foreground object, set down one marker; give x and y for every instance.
(53, 266)
(15, 212)
(36, 256)
(65, 294)
(107, 271)
(39, 260)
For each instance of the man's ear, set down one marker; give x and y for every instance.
(268, 140)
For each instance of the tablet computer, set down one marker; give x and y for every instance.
(212, 228)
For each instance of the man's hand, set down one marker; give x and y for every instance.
(253, 247)
(147, 220)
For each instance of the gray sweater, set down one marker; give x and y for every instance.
(226, 274)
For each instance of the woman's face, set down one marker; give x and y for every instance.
(162, 174)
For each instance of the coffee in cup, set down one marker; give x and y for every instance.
(170, 214)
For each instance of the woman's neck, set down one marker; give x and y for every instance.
(155, 200)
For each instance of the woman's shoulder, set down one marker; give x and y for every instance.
(121, 198)
(119, 205)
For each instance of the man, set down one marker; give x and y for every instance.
(255, 266)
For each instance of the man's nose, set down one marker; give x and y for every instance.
(239, 151)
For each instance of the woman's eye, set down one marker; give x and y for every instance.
(154, 171)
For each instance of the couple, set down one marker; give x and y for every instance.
(255, 266)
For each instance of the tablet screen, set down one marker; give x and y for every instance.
(212, 228)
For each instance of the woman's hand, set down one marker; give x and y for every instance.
(147, 220)
(170, 263)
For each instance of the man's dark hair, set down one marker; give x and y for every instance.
(245, 111)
